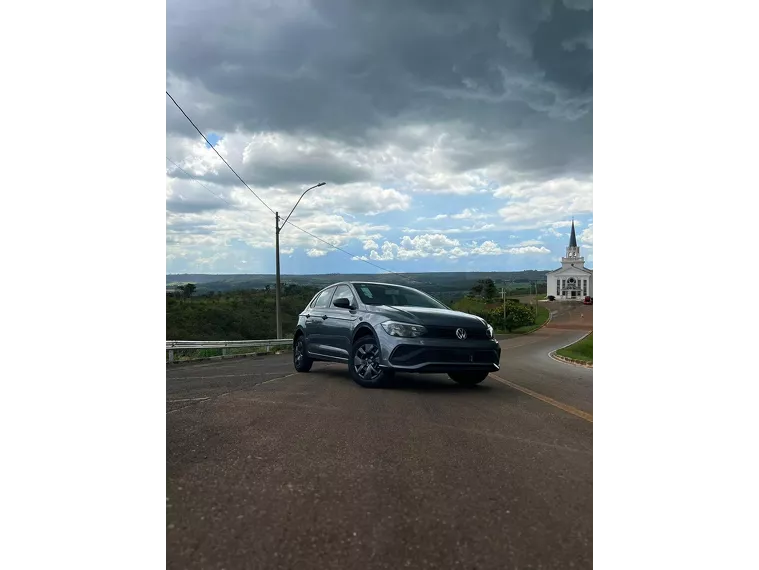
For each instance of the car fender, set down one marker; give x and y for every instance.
(363, 328)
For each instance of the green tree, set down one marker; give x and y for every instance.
(188, 290)
(484, 289)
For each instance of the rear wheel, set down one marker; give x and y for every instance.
(364, 364)
(468, 378)
(300, 358)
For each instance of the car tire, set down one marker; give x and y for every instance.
(301, 361)
(468, 378)
(364, 364)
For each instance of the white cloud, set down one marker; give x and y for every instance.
(440, 245)
(586, 236)
(316, 252)
(469, 214)
(492, 248)
(528, 249)
(476, 227)
(535, 205)
(371, 244)
(554, 232)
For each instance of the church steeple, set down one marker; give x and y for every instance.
(572, 237)
(573, 251)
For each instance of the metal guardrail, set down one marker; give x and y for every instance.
(172, 345)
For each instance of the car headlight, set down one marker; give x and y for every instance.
(405, 330)
(490, 331)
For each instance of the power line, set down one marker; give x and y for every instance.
(199, 182)
(217, 152)
(314, 236)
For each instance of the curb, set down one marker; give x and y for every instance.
(564, 359)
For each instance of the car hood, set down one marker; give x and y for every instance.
(429, 317)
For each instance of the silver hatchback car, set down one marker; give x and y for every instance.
(380, 328)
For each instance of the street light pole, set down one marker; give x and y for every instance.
(277, 284)
(278, 229)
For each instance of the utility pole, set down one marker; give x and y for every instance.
(276, 285)
(277, 229)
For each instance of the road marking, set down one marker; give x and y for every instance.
(259, 384)
(567, 408)
(189, 399)
(227, 393)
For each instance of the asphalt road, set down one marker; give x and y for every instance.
(271, 469)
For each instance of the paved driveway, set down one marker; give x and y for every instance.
(271, 469)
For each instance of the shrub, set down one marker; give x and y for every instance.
(517, 315)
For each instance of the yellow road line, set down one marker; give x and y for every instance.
(567, 408)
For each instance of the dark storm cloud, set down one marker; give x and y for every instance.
(348, 69)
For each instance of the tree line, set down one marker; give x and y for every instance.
(250, 314)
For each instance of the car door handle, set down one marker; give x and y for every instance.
(324, 317)
(308, 316)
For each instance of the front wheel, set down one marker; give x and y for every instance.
(364, 364)
(468, 378)
(301, 361)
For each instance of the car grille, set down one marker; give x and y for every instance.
(450, 332)
(413, 355)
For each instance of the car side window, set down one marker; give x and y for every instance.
(322, 302)
(343, 291)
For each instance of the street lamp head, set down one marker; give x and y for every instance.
(320, 184)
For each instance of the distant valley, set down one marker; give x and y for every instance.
(446, 285)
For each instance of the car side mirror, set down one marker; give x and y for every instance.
(342, 303)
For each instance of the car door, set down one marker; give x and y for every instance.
(338, 326)
(315, 317)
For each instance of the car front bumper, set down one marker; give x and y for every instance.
(439, 355)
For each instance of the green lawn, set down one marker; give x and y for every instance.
(581, 350)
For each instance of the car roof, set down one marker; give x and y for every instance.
(379, 283)
(365, 283)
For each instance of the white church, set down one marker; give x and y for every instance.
(572, 281)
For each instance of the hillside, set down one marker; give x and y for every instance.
(238, 315)
(250, 313)
(445, 285)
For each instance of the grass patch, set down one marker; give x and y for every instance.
(581, 350)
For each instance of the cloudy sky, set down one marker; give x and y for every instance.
(452, 135)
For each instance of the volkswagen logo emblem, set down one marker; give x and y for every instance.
(461, 334)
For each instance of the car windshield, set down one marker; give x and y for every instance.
(374, 294)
